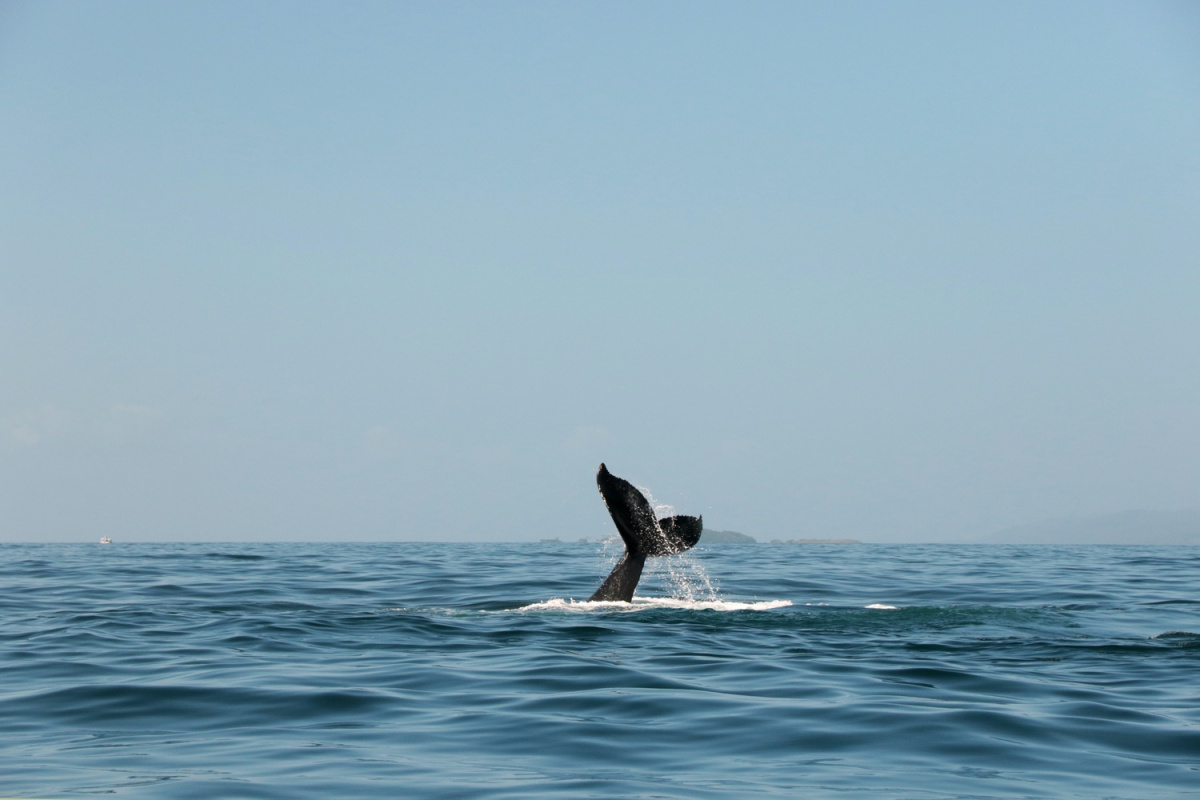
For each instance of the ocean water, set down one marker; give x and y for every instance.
(435, 670)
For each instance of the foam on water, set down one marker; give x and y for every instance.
(646, 603)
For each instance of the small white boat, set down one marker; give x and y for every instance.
(105, 540)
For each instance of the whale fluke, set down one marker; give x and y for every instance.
(644, 536)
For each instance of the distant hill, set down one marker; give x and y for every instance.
(1123, 527)
(710, 536)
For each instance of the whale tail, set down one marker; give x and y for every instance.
(644, 536)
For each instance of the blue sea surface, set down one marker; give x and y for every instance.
(438, 670)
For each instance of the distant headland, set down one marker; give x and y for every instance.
(816, 541)
(711, 536)
(733, 537)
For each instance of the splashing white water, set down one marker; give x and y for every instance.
(684, 576)
(661, 510)
(646, 603)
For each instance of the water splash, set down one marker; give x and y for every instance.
(661, 510)
(684, 577)
(648, 603)
(681, 575)
(611, 550)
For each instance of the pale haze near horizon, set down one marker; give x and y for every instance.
(895, 272)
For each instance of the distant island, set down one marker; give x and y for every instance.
(816, 541)
(1130, 527)
(733, 537)
(1123, 527)
(711, 536)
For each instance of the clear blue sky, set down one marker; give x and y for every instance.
(894, 271)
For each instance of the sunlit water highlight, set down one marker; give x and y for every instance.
(425, 670)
